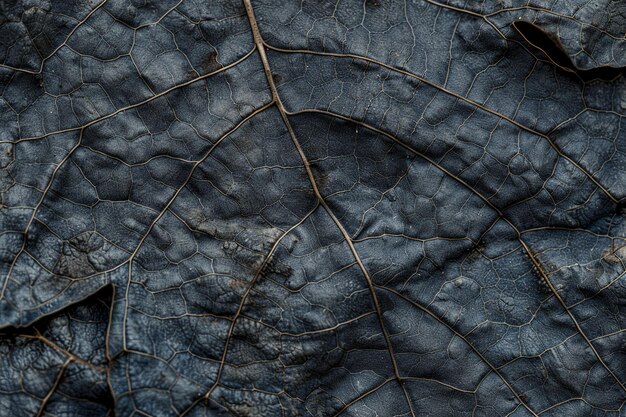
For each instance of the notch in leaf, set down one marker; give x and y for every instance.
(552, 48)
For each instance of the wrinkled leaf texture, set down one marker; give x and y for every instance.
(312, 208)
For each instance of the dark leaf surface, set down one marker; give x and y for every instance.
(58, 366)
(312, 208)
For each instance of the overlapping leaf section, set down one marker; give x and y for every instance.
(58, 366)
(408, 208)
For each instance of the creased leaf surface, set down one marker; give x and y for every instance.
(299, 208)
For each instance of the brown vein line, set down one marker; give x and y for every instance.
(107, 349)
(70, 355)
(51, 313)
(600, 290)
(67, 38)
(310, 332)
(138, 104)
(239, 311)
(258, 40)
(169, 203)
(128, 260)
(362, 396)
(537, 266)
(381, 385)
(545, 278)
(49, 271)
(35, 209)
(464, 339)
(486, 16)
(472, 13)
(328, 329)
(456, 9)
(54, 386)
(69, 154)
(443, 384)
(519, 125)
